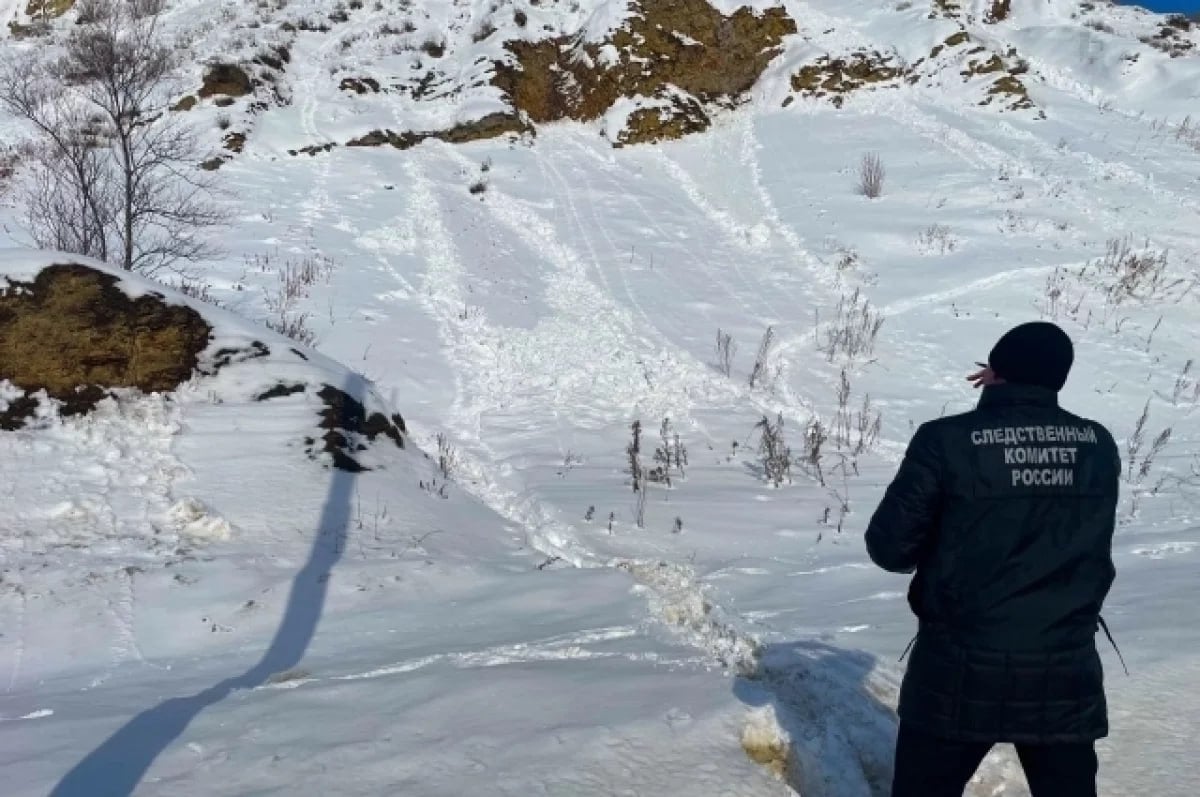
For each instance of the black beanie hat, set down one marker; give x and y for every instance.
(1037, 353)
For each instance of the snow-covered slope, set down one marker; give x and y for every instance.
(168, 562)
(522, 300)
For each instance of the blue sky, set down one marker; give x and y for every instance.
(1186, 6)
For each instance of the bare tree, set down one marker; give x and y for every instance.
(117, 178)
(69, 205)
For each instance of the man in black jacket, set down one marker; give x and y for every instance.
(1006, 515)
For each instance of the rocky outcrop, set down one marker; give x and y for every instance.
(833, 78)
(349, 428)
(682, 55)
(490, 126)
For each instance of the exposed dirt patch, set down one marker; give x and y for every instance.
(984, 67)
(360, 85)
(679, 116)
(17, 411)
(314, 149)
(833, 78)
(955, 39)
(235, 142)
(982, 64)
(349, 429)
(186, 103)
(48, 9)
(228, 80)
(670, 46)
(1010, 89)
(490, 126)
(380, 138)
(280, 391)
(998, 11)
(73, 333)
(231, 356)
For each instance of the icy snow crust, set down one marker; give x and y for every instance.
(174, 567)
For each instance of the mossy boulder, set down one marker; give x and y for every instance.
(228, 80)
(74, 333)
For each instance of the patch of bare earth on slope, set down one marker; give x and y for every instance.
(74, 334)
(673, 61)
(833, 78)
(259, 82)
(678, 58)
(490, 126)
(1002, 74)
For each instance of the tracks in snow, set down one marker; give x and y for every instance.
(584, 645)
(587, 351)
(588, 357)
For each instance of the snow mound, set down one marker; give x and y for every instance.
(196, 524)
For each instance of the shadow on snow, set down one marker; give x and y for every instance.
(835, 710)
(117, 766)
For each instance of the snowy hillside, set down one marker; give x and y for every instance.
(482, 211)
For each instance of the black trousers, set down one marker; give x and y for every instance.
(927, 766)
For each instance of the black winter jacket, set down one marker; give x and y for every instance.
(1006, 513)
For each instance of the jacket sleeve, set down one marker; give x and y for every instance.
(905, 523)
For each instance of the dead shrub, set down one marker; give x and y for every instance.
(761, 359)
(871, 174)
(726, 350)
(670, 455)
(853, 331)
(774, 456)
(936, 239)
(1129, 273)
